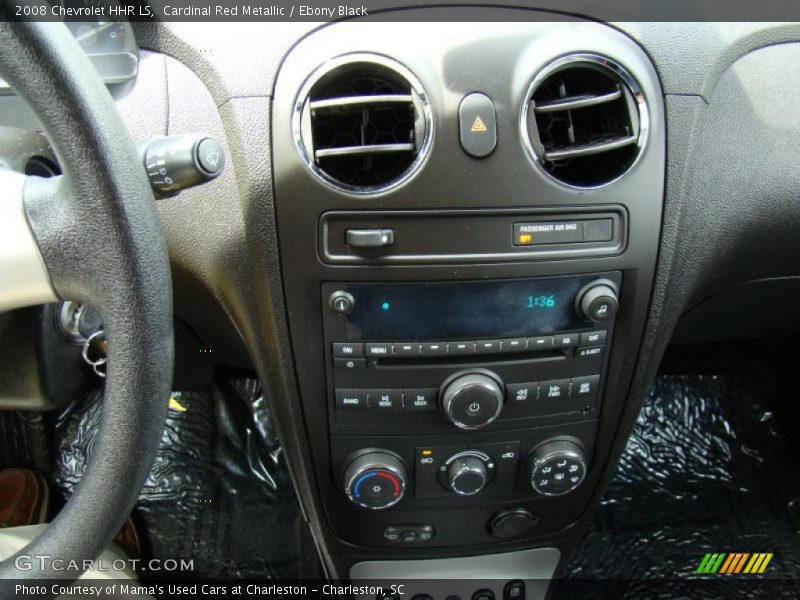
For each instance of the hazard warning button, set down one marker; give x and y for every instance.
(478, 125)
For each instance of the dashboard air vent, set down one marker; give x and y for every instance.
(363, 124)
(585, 120)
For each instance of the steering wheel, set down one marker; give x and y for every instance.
(92, 235)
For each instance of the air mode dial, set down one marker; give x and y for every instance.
(556, 467)
(472, 399)
(375, 479)
(467, 472)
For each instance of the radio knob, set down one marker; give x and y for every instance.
(375, 479)
(467, 475)
(472, 400)
(556, 467)
(597, 301)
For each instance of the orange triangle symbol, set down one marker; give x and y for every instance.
(478, 125)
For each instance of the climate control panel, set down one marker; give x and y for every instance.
(377, 478)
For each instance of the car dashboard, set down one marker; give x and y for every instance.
(455, 253)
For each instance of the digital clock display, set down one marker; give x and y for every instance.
(463, 310)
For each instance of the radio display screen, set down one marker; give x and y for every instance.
(451, 311)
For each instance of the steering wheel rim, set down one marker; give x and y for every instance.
(99, 241)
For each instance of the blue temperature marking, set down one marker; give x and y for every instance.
(359, 481)
(386, 306)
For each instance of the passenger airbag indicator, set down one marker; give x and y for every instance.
(562, 232)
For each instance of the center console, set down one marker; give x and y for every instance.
(468, 391)
(468, 226)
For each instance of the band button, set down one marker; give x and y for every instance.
(351, 399)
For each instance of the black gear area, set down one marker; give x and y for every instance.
(706, 469)
(219, 492)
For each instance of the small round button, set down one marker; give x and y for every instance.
(341, 302)
(512, 523)
(210, 156)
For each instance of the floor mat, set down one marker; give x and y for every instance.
(706, 470)
(219, 492)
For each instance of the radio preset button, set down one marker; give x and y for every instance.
(588, 351)
(345, 350)
(542, 342)
(565, 340)
(434, 348)
(487, 346)
(351, 399)
(514, 345)
(556, 388)
(591, 338)
(420, 399)
(350, 363)
(522, 392)
(386, 399)
(585, 387)
(461, 348)
(378, 350)
(406, 349)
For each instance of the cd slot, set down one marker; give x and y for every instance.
(467, 360)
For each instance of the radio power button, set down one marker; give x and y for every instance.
(472, 399)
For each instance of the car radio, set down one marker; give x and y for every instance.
(466, 355)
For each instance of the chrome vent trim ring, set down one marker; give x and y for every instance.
(633, 95)
(302, 127)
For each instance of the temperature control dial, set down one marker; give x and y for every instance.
(556, 467)
(472, 399)
(466, 473)
(375, 479)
